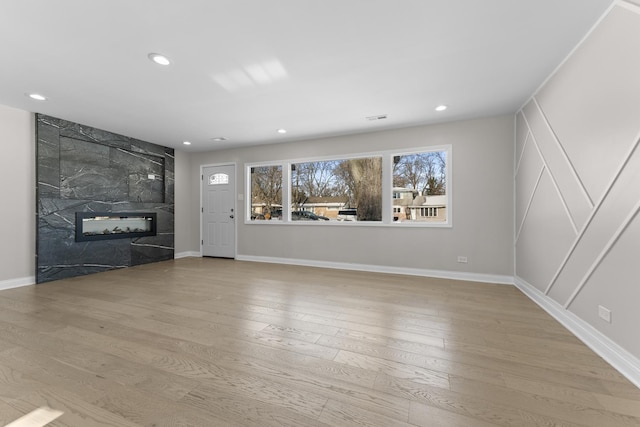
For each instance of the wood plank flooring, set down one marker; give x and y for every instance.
(215, 342)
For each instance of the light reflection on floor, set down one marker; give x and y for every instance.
(37, 418)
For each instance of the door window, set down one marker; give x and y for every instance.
(218, 178)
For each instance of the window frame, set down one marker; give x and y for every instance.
(448, 149)
(249, 199)
(387, 157)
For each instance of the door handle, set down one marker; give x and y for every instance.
(231, 216)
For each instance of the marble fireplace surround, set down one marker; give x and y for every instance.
(83, 169)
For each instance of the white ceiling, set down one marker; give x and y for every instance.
(244, 68)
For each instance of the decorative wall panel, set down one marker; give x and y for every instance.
(545, 236)
(571, 190)
(527, 177)
(593, 102)
(616, 274)
(82, 169)
(586, 123)
(609, 215)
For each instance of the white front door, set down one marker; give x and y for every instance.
(218, 211)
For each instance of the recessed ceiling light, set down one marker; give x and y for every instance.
(219, 139)
(282, 131)
(186, 143)
(159, 59)
(36, 96)
(441, 107)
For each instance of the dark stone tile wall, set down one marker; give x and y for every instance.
(83, 169)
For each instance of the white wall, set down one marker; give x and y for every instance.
(17, 173)
(578, 189)
(482, 206)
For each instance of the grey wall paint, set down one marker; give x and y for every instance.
(83, 169)
(17, 173)
(184, 203)
(577, 181)
(482, 203)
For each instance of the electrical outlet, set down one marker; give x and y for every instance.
(604, 313)
(462, 259)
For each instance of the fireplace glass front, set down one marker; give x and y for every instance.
(114, 225)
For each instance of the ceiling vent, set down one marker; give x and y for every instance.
(219, 139)
(378, 117)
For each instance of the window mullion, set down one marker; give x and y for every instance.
(387, 187)
(286, 192)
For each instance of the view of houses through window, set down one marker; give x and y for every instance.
(346, 190)
(420, 187)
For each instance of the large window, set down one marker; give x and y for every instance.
(325, 187)
(410, 188)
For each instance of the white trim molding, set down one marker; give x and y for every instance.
(186, 254)
(626, 363)
(629, 6)
(17, 283)
(440, 274)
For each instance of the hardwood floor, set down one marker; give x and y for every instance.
(214, 342)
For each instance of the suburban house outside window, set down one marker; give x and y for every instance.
(350, 190)
(420, 187)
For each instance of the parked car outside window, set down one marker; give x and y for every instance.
(306, 216)
(348, 215)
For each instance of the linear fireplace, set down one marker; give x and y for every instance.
(114, 225)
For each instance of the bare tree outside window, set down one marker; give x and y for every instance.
(313, 179)
(351, 189)
(324, 188)
(266, 192)
(423, 172)
(363, 180)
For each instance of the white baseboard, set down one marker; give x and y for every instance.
(441, 274)
(17, 283)
(187, 254)
(626, 363)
